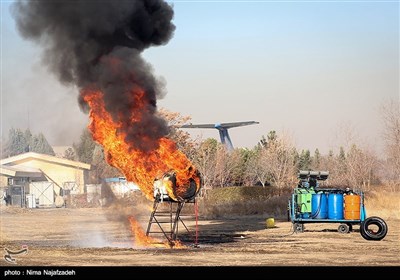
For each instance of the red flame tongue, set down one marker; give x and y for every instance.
(138, 166)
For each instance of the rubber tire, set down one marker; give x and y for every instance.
(370, 235)
(363, 233)
(343, 228)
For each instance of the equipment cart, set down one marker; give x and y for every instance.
(311, 204)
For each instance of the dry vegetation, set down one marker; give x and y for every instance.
(383, 203)
(232, 232)
(227, 201)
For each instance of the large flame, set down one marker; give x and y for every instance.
(138, 166)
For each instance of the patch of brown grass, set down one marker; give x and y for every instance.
(382, 203)
(243, 201)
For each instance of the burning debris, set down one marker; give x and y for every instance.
(166, 188)
(96, 46)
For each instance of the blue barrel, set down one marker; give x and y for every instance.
(335, 206)
(305, 215)
(319, 206)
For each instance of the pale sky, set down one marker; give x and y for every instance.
(306, 68)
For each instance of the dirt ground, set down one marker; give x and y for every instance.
(99, 237)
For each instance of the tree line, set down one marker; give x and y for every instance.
(274, 160)
(24, 141)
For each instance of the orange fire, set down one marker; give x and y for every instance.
(140, 237)
(142, 240)
(139, 167)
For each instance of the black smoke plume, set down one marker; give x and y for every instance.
(97, 45)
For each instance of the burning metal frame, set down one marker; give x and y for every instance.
(171, 216)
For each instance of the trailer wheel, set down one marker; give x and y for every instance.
(343, 228)
(298, 227)
(350, 227)
(373, 228)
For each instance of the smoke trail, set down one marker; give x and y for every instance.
(96, 45)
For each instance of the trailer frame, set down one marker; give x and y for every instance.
(346, 225)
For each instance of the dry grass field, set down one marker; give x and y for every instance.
(102, 237)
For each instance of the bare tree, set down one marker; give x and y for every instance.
(205, 161)
(279, 162)
(182, 138)
(355, 164)
(239, 176)
(355, 168)
(226, 165)
(328, 163)
(256, 169)
(361, 164)
(390, 111)
(340, 169)
(345, 135)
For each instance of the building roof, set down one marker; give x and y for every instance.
(20, 171)
(21, 158)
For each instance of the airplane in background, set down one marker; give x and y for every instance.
(223, 130)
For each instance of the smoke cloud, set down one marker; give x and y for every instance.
(97, 45)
